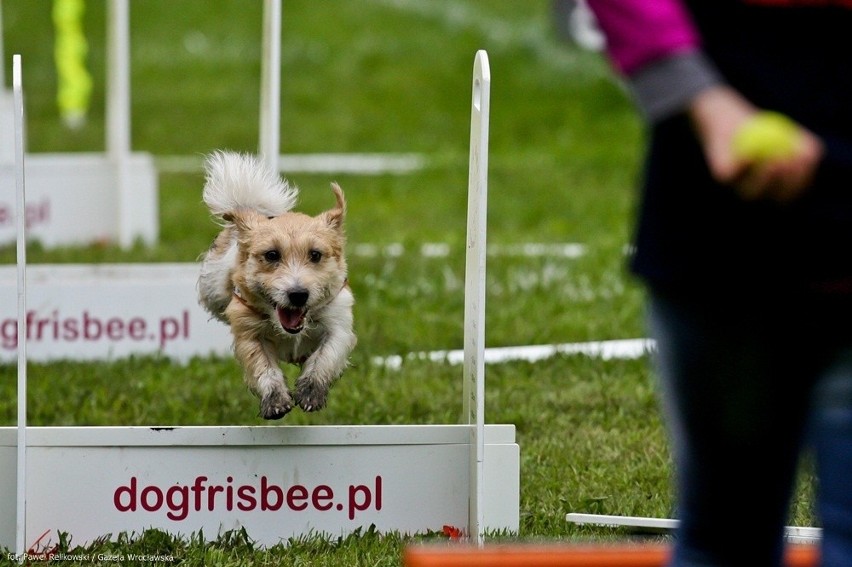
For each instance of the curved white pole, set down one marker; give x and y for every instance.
(21, 216)
(474, 302)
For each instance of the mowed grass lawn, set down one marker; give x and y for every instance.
(388, 76)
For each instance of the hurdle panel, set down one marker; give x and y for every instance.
(106, 311)
(276, 482)
(80, 198)
(72, 196)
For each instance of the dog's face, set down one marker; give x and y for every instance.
(291, 264)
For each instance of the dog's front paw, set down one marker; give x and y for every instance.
(311, 397)
(276, 405)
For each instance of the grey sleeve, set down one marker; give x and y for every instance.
(666, 86)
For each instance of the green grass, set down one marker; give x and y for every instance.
(383, 76)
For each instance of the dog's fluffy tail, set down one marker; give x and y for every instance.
(241, 181)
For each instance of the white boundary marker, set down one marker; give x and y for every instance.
(20, 201)
(614, 349)
(274, 481)
(555, 250)
(350, 163)
(793, 534)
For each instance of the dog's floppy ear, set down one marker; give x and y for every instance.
(335, 216)
(244, 219)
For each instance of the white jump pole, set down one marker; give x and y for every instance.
(474, 303)
(20, 215)
(2, 54)
(270, 84)
(118, 113)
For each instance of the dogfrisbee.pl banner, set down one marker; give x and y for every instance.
(276, 482)
(99, 312)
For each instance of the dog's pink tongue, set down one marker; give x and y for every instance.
(291, 319)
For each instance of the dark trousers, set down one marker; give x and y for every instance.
(748, 380)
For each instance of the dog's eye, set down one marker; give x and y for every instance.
(272, 255)
(315, 256)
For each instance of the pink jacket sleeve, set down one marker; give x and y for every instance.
(642, 31)
(655, 44)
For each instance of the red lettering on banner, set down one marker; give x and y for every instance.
(179, 500)
(357, 493)
(178, 510)
(115, 329)
(247, 501)
(211, 496)
(265, 490)
(229, 494)
(70, 330)
(91, 328)
(298, 494)
(35, 214)
(322, 498)
(130, 491)
(197, 489)
(136, 329)
(144, 500)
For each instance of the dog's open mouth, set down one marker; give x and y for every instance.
(292, 319)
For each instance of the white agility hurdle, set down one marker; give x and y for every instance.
(113, 195)
(79, 198)
(276, 482)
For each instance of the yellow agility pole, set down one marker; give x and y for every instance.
(70, 50)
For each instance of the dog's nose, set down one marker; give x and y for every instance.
(298, 297)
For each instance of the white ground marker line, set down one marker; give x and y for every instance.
(793, 534)
(350, 163)
(623, 349)
(562, 250)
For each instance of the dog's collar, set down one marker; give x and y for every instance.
(239, 297)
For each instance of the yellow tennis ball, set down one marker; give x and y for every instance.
(768, 135)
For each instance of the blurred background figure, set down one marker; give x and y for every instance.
(745, 252)
(574, 21)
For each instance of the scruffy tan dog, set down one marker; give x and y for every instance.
(279, 279)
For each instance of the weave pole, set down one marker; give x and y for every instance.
(474, 297)
(118, 114)
(21, 221)
(270, 84)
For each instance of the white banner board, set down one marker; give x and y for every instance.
(7, 126)
(104, 311)
(73, 199)
(276, 482)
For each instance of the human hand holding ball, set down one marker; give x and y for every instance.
(763, 155)
(778, 158)
(766, 136)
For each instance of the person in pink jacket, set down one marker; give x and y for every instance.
(747, 261)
